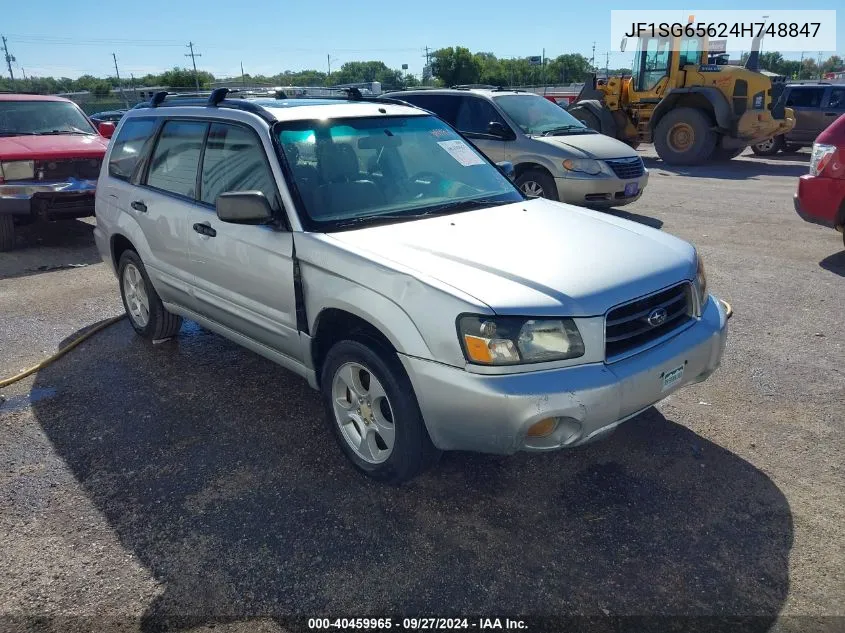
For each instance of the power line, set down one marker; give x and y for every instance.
(9, 58)
(193, 57)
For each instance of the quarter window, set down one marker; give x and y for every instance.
(805, 97)
(837, 99)
(176, 157)
(128, 146)
(235, 161)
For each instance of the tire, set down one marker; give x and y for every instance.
(720, 153)
(684, 137)
(350, 368)
(539, 183)
(7, 233)
(792, 148)
(770, 147)
(632, 144)
(135, 287)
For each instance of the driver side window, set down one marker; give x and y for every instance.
(475, 115)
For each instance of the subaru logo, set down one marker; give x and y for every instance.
(657, 317)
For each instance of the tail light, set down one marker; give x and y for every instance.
(821, 157)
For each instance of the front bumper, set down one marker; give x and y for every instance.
(69, 198)
(599, 191)
(755, 126)
(492, 413)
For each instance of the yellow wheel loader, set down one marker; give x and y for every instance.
(693, 111)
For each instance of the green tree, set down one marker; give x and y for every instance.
(569, 68)
(184, 78)
(101, 89)
(833, 64)
(456, 65)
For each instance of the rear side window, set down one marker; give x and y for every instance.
(176, 157)
(444, 106)
(805, 97)
(128, 146)
(235, 161)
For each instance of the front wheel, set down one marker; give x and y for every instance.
(720, 153)
(685, 137)
(537, 184)
(143, 306)
(769, 147)
(373, 412)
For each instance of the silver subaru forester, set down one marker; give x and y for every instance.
(366, 246)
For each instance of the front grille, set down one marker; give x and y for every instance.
(627, 168)
(627, 326)
(80, 168)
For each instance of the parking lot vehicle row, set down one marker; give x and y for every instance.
(366, 246)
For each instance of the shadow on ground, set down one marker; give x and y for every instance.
(215, 469)
(43, 247)
(636, 217)
(738, 169)
(834, 263)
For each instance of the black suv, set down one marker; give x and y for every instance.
(816, 105)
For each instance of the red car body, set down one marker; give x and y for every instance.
(50, 158)
(820, 198)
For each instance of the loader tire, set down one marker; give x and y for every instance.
(685, 137)
(7, 233)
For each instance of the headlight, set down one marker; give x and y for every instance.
(584, 165)
(514, 340)
(18, 169)
(701, 282)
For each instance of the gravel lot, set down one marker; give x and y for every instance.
(193, 484)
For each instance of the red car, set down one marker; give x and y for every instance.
(50, 157)
(821, 193)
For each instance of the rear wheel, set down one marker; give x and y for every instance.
(791, 147)
(685, 137)
(769, 147)
(7, 232)
(143, 306)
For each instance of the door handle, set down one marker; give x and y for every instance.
(204, 229)
(831, 114)
(139, 206)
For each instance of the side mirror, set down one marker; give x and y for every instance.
(244, 207)
(506, 167)
(106, 128)
(497, 128)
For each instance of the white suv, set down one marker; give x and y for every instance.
(366, 246)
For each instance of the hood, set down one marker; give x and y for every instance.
(52, 146)
(589, 146)
(536, 257)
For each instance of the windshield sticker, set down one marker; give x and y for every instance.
(461, 152)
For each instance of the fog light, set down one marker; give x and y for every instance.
(543, 428)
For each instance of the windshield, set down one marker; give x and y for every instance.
(536, 115)
(350, 172)
(42, 117)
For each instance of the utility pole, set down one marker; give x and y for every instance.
(119, 85)
(9, 58)
(23, 70)
(800, 65)
(821, 74)
(193, 57)
(243, 77)
(593, 58)
(329, 64)
(607, 64)
(427, 63)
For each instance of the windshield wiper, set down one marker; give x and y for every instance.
(18, 133)
(53, 132)
(442, 209)
(564, 128)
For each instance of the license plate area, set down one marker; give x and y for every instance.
(631, 189)
(672, 377)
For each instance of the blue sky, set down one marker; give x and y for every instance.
(62, 38)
